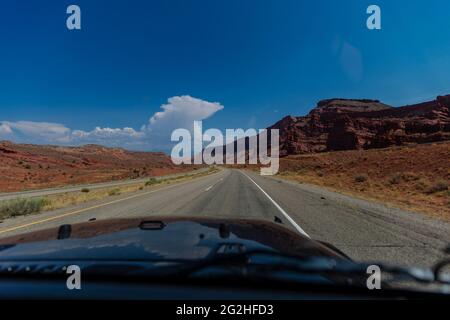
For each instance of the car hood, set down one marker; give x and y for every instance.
(158, 238)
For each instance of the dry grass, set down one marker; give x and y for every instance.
(415, 178)
(63, 200)
(20, 207)
(73, 198)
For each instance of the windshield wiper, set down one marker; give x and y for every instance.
(252, 264)
(248, 265)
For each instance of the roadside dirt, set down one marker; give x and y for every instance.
(415, 178)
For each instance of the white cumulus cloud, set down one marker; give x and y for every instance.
(38, 131)
(5, 129)
(182, 111)
(106, 134)
(179, 112)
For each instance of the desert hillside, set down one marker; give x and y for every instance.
(412, 177)
(26, 166)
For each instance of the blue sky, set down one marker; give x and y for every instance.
(235, 63)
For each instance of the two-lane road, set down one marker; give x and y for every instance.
(363, 230)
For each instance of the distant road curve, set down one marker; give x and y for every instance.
(92, 186)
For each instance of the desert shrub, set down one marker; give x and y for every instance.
(85, 190)
(421, 185)
(19, 207)
(437, 187)
(410, 176)
(301, 171)
(395, 179)
(403, 176)
(151, 181)
(361, 178)
(114, 192)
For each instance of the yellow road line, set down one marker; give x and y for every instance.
(87, 209)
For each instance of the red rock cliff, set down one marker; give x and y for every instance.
(343, 124)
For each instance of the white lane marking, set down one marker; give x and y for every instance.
(57, 217)
(211, 186)
(296, 226)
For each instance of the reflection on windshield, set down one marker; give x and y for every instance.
(216, 131)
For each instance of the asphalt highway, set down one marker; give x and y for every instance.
(363, 230)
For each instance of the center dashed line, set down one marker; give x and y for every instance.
(60, 216)
(211, 186)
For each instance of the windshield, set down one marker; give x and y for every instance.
(307, 141)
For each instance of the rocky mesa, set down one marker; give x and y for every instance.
(350, 124)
